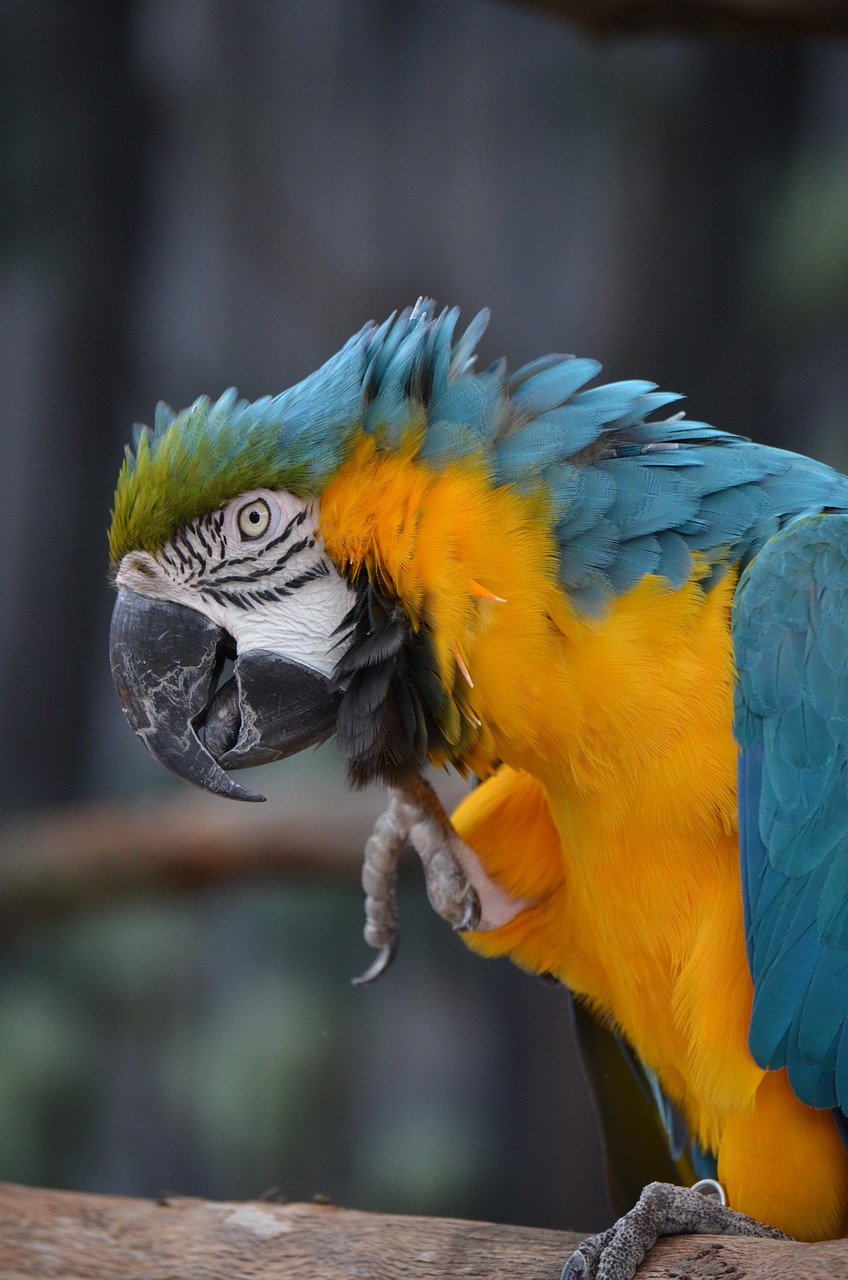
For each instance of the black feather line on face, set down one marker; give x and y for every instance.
(393, 701)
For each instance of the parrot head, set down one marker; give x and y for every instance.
(248, 581)
(219, 554)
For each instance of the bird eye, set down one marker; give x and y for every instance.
(253, 519)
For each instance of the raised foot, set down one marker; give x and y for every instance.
(457, 886)
(661, 1210)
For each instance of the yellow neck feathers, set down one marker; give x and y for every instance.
(472, 564)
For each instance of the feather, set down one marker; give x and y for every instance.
(163, 418)
(463, 357)
(549, 387)
(790, 628)
(636, 558)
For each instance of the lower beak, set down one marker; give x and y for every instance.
(166, 662)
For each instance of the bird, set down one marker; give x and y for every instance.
(628, 628)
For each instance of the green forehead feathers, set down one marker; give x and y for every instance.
(197, 460)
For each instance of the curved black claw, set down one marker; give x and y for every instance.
(661, 1210)
(377, 968)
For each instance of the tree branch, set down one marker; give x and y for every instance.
(64, 1235)
(760, 19)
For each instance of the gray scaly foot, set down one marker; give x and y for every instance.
(661, 1210)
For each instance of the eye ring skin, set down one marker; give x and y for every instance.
(277, 516)
(248, 527)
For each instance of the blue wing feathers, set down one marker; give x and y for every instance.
(815, 821)
(780, 980)
(842, 1060)
(749, 783)
(529, 370)
(821, 1010)
(464, 353)
(832, 918)
(581, 495)
(801, 740)
(592, 550)
(437, 351)
(553, 385)
(790, 635)
(675, 563)
(647, 403)
(635, 558)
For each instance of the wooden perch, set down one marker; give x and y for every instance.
(65, 1235)
(760, 19)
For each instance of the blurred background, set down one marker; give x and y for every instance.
(195, 194)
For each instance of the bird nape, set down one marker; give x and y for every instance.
(631, 627)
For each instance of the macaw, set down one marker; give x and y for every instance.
(630, 628)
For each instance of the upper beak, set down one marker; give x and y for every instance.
(166, 661)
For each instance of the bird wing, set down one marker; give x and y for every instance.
(790, 636)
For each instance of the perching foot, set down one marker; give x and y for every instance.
(457, 886)
(661, 1210)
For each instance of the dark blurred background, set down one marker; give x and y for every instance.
(196, 194)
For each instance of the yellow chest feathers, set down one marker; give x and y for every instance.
(593, 707)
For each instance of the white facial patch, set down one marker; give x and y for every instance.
(257, 568)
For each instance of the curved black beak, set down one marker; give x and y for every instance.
(166, 662)
(272, 708)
